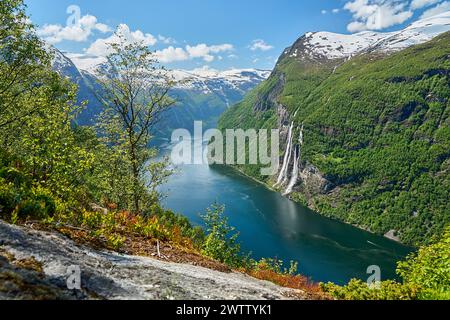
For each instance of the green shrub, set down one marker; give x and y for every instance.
(197, 235)
(20, 200)
(91, 220)
(8, 199)
(221, 240)
(40, 206)
(276, 266)
(429, 269)
(15, 176)
(359, 290)
(171, 220)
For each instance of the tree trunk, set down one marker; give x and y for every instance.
(135, 172)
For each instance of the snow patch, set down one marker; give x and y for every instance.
(337, 46)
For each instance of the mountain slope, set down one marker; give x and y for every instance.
(202, 94)
(376, 132)
(86, 83)
(331, 46)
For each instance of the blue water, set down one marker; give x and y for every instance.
(273, 226)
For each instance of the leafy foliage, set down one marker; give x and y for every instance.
(135, 91)
(276, 265)
(221, 240)
(426, 276)
(429, 269)
(22, 64)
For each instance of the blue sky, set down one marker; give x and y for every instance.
(219, 34)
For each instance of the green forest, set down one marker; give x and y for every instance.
(378, 129)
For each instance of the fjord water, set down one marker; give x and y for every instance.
(273, 226)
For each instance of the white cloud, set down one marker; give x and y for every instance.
(200, 51)
(101, 47)
(172, 54)
(166, 40)
(222, 48)
(334, 11)
(260, 44)
(356, 26)
(440, 8)
(102, 27)
(79, 32)
(377, 14)
(418, 4)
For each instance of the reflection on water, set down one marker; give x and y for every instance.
(273, 226)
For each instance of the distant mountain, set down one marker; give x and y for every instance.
(333, 46)
(365, 124)
(203, 94)
(86, 86)
(208, 80)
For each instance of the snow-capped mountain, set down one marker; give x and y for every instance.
(330, 46)
(204, 79)
(210, 80)
(203, 94)
(419, 32)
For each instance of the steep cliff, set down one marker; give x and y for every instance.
(372, 111)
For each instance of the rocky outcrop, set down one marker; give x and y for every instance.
(269, 99)
(313, 182)
(296, 174)
(108, 275)
(393, 235)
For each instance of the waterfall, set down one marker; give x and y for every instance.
(287, 158)
(288, 163)
(295, 168)
(292, 150)
(301, 139)
(294, 176)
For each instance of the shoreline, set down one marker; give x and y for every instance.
(396, 239)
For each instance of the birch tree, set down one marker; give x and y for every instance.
(135, 92)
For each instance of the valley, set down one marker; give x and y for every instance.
(184, 155)
(201, 94)
(372, 114)
(272, 226)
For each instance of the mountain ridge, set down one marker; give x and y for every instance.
(204, 94)
(331, 46)
(375, 139)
